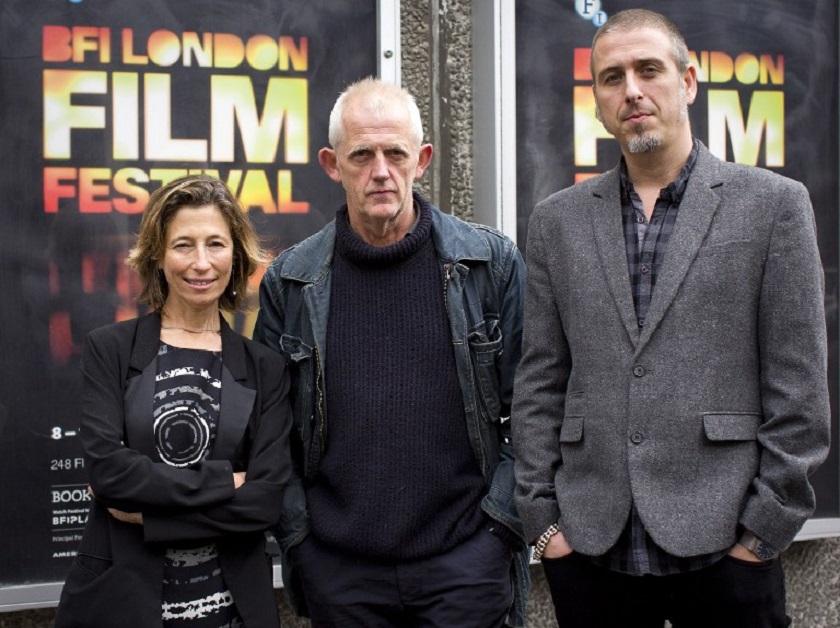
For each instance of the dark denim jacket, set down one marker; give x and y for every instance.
(484, 286)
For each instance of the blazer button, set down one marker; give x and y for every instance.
(639, 371)
(637, 437)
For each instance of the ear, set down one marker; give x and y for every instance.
(424, 158)
(598, 115)
(690, 82)
(328, 161)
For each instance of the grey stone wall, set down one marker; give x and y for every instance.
(437, 69)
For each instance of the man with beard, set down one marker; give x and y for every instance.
(672, 399)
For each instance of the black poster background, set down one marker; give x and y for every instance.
(61, 274)
(805, 32)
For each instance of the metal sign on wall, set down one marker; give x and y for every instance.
(768, 97)
(104, 101)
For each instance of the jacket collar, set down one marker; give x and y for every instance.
(455, 241)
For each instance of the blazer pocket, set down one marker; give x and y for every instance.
(731, 426)
(572, 429)
(93, 566)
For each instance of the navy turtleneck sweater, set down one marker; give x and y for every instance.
(398, 479)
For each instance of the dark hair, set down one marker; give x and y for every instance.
(193, 191)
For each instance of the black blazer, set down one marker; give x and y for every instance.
(116, 577)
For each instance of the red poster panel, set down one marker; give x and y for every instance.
(768, 96)
(103, 101)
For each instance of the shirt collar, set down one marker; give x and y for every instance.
(674, 191)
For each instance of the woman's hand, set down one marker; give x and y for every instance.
(127, 517)
(119, 515)
(238, 479)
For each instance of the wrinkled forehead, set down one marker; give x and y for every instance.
(385, 126)
(376, 111)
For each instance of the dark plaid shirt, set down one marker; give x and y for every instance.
(646, 243)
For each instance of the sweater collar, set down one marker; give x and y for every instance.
(455, 241)
(349, 245)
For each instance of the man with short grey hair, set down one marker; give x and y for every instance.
(402, 328)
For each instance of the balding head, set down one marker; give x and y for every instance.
(373, 96)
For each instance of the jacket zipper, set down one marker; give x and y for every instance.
(447, 274)
(320, 406)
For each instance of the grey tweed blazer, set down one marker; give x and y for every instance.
(716, 411)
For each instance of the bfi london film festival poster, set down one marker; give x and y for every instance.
(103, 102)
(767, 96)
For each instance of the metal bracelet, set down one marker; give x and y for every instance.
(545, 537)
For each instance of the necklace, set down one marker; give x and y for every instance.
(193, 331)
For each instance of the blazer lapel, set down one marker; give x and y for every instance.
(237, 400)
(139, 403)
(140, 392)
(237, 404)
(608, 229)
(696, 211)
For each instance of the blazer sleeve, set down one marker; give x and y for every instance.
(255, 505)
(541, 380)
(795, 433)
(125, 478)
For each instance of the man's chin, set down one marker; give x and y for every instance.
(645, 143)
(383, 210)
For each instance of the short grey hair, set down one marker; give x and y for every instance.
(643, 18)
(375, 94)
